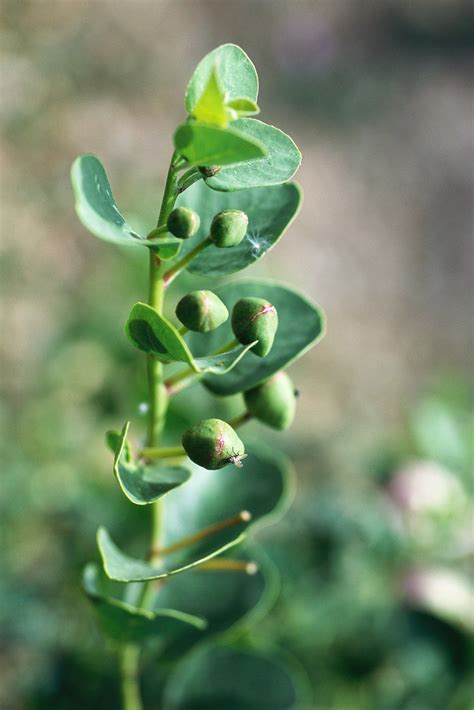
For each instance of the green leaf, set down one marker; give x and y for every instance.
(238, 600)
(124, 622)
(223, 363)
(124, 568)
(144, 483)
(300, 325)
(152, 333)
(166, 247)
(217, 677)
(236, 74)
(113, 439)
(243, 107)
(270, 211)
(262, 487)
(98, 211)
(279, 165)
(95, 204)
(210, 107)
(204, 144)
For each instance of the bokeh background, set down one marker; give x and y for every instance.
(376, 551)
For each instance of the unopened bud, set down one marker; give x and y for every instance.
(228, 228)
(201, 311)
(255, 319)
(213, 444)
(273, 401)
(183, 222)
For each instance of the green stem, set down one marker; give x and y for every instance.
(179, 376)
(241, 419)
(189, 372)
(158, 231)
(243, 517)
(157, 393)
(130, 654)
(129, 660)
(182, 382)
(188, 178)
(230, 345)
(164, 452)
(170, 275)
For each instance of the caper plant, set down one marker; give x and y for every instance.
(227, 201)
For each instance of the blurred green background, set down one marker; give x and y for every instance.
(375, 553)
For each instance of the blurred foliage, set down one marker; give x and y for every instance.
(377, 601)
(362, 555)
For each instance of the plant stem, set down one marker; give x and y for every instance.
(182, 263)
(241, 419)
(189, 372)
(129, 658)
(226, 565)
(230, 345)
(243, 517)
(164, 452)
(130, 654)
(188, 178)
(183, 374)
(158, 231)
(185, 381)
(157, 392)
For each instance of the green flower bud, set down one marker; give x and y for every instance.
(201, 311)
(213, 444)
(255, 319)
(228, 228)
(273, 402)
(209, 171)
(183, 222)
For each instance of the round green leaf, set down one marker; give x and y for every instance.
(260, 487)
(124, 622)
(237, 600)
(144, 483)
(279, 165)
(300, 325)
(217, 677)
(235, 71)
(204, 144)
(270, 211)
(153, 333)
(98, 211)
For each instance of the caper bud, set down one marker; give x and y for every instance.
(201, 311)
(183, 222)
(228, 228)
(273, 401)
(213, 444)
(255, 319)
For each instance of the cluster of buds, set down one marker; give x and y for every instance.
(213, 443)
(228, 227)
